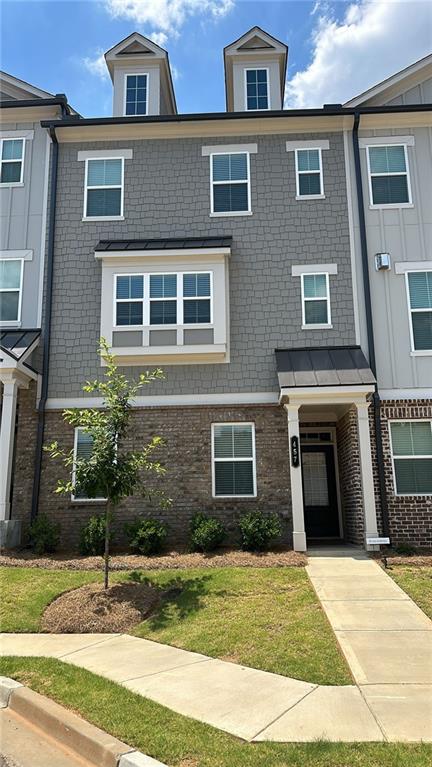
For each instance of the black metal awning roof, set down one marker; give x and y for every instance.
(171, 243)
(323, 366)
(17, 343)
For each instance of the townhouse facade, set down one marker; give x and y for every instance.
(24, 181)
(229, 249)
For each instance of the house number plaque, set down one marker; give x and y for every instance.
(295, 453)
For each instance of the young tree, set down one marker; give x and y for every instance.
(111, 472)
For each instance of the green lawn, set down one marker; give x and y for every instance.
(417, 582)
(182, 742)
(267, 618)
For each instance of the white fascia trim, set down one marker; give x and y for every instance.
(406, 394)
(25, 255)
(105, 154)
(206, 151)
(300, 269)
(27, 134)
(175, 400)
(291, 146)
(175, 252)
(401, 267)
(386, 140)
(326, 394)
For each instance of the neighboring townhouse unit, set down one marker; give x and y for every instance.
(396, 167)
(226, 249)
(24, 182)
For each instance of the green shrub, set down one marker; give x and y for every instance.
(405, 548)
(206, 533)
(92, 537)
(146, 536)
(259, 530)
(44, 534)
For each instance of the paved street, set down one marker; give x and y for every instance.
(24, 746)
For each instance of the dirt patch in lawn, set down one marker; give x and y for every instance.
(93, 609)
(175, 560)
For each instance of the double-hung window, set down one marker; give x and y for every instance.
(309, 176)
(11, 275)
(230, 183)
(104, 188)
(411, 443)
(83, 447)
(12, 161)
(129, 299)
(136, 94)
(163, 299)
(196, 298)
(233, 452)
(419, 286)
(389, 182)
(315, 300)
(257, 95)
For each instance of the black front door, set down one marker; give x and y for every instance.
(319, 491)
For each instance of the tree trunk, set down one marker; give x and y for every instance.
(107, 539)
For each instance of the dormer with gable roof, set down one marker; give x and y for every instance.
(255, 70)
(141, 76)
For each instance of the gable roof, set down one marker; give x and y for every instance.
(14, 88)
(394, 85)
(250, 41)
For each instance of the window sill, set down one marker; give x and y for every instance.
(243, 497)
(12, 184)
(317, 327)
(80, 501)
(103, 218)
(310, 196)
(11, 324)
(413, 495)
(231, 213)
(392, 206)
(425, 353)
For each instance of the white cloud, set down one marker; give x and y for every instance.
(96, 65)
(165, 17)
(374, 40)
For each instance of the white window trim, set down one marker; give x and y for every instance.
(179, 299)
(402, 457)
(255, 69)
(299, 173)
(17, 322)
(21, 181)
(384, 206)
(224, 213)
(415, 352)
(214, 460)
(75, 447)
(136, 74)
(317, 325)
(120, 217)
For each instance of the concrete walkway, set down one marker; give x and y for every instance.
(392, 699)
(385, 637)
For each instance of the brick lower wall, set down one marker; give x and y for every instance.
(410, 517)
(24, 454)
(188, 481)
(350, 478)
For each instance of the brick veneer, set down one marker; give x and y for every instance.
(188, 481)
(410, 517)
(350, 478)
(25, 453)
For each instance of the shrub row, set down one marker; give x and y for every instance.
(147, 535)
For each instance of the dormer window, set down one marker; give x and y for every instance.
(136, 94)
(257, 96)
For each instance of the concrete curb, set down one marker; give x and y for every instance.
(68, 729)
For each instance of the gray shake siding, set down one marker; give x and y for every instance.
(167, 195)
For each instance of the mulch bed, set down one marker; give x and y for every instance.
(172, 560)
(93, 609)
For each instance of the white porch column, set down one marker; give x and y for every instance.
(299, 535)
(371, 528)
(7, 436)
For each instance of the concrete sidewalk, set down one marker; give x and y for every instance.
(391, 701)
(385, 637)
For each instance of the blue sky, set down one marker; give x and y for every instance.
(337, 49)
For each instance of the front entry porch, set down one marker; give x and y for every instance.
(332, 484)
